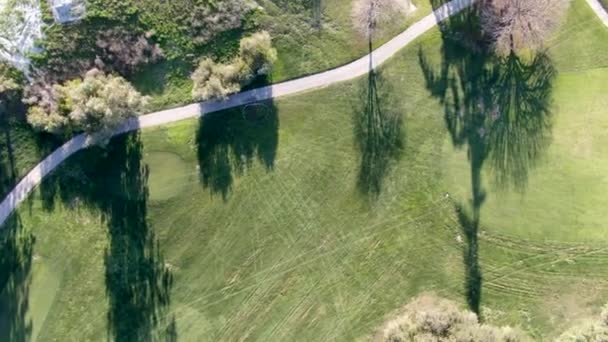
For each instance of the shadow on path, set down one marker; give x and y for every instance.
(499, 109)
(138, 284)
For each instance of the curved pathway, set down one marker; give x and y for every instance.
(599, 10)
(355, 69)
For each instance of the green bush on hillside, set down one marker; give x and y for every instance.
(96, 103)
(216, 81)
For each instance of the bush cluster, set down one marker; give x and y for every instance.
(217, 80)
(96, 103)
(594, 330)
(69, 52)
(428, 318)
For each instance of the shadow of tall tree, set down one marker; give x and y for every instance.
(230, 141)
(114, 180)
(16, 246)
(499, 109)
(16, 243)
(378, 134)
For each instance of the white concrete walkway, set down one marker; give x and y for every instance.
(599, 10)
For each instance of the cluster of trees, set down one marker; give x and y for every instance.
(516, 25)
(428, 318)
(217, 80)
(98, 102)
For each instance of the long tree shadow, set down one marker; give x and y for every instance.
(499, 109)
(16, 244)
(229, 141)
(378, 134)
(138, 284)
(16, 247)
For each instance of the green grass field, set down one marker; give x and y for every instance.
(316, 216)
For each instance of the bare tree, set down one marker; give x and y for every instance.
(368, 15)
(513, 25)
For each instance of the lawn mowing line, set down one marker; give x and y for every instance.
(534, 245)
(289, 193)
(369, 228)
(556, 42)
(245, 304)
(386, 274)
(295, 308)
(320, 255)
(533, 256)
(425, 245)
(575, 256)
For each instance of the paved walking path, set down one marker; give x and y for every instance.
(599, 10)
(355, 69)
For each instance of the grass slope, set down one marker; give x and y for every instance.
(319, 220)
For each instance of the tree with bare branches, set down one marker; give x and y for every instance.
(369, 15)
(515, 25)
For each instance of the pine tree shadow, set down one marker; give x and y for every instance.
(229, 141)
(378, 133)
(499, 109)
(521, 119)
(113, 180)
(16, 247)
